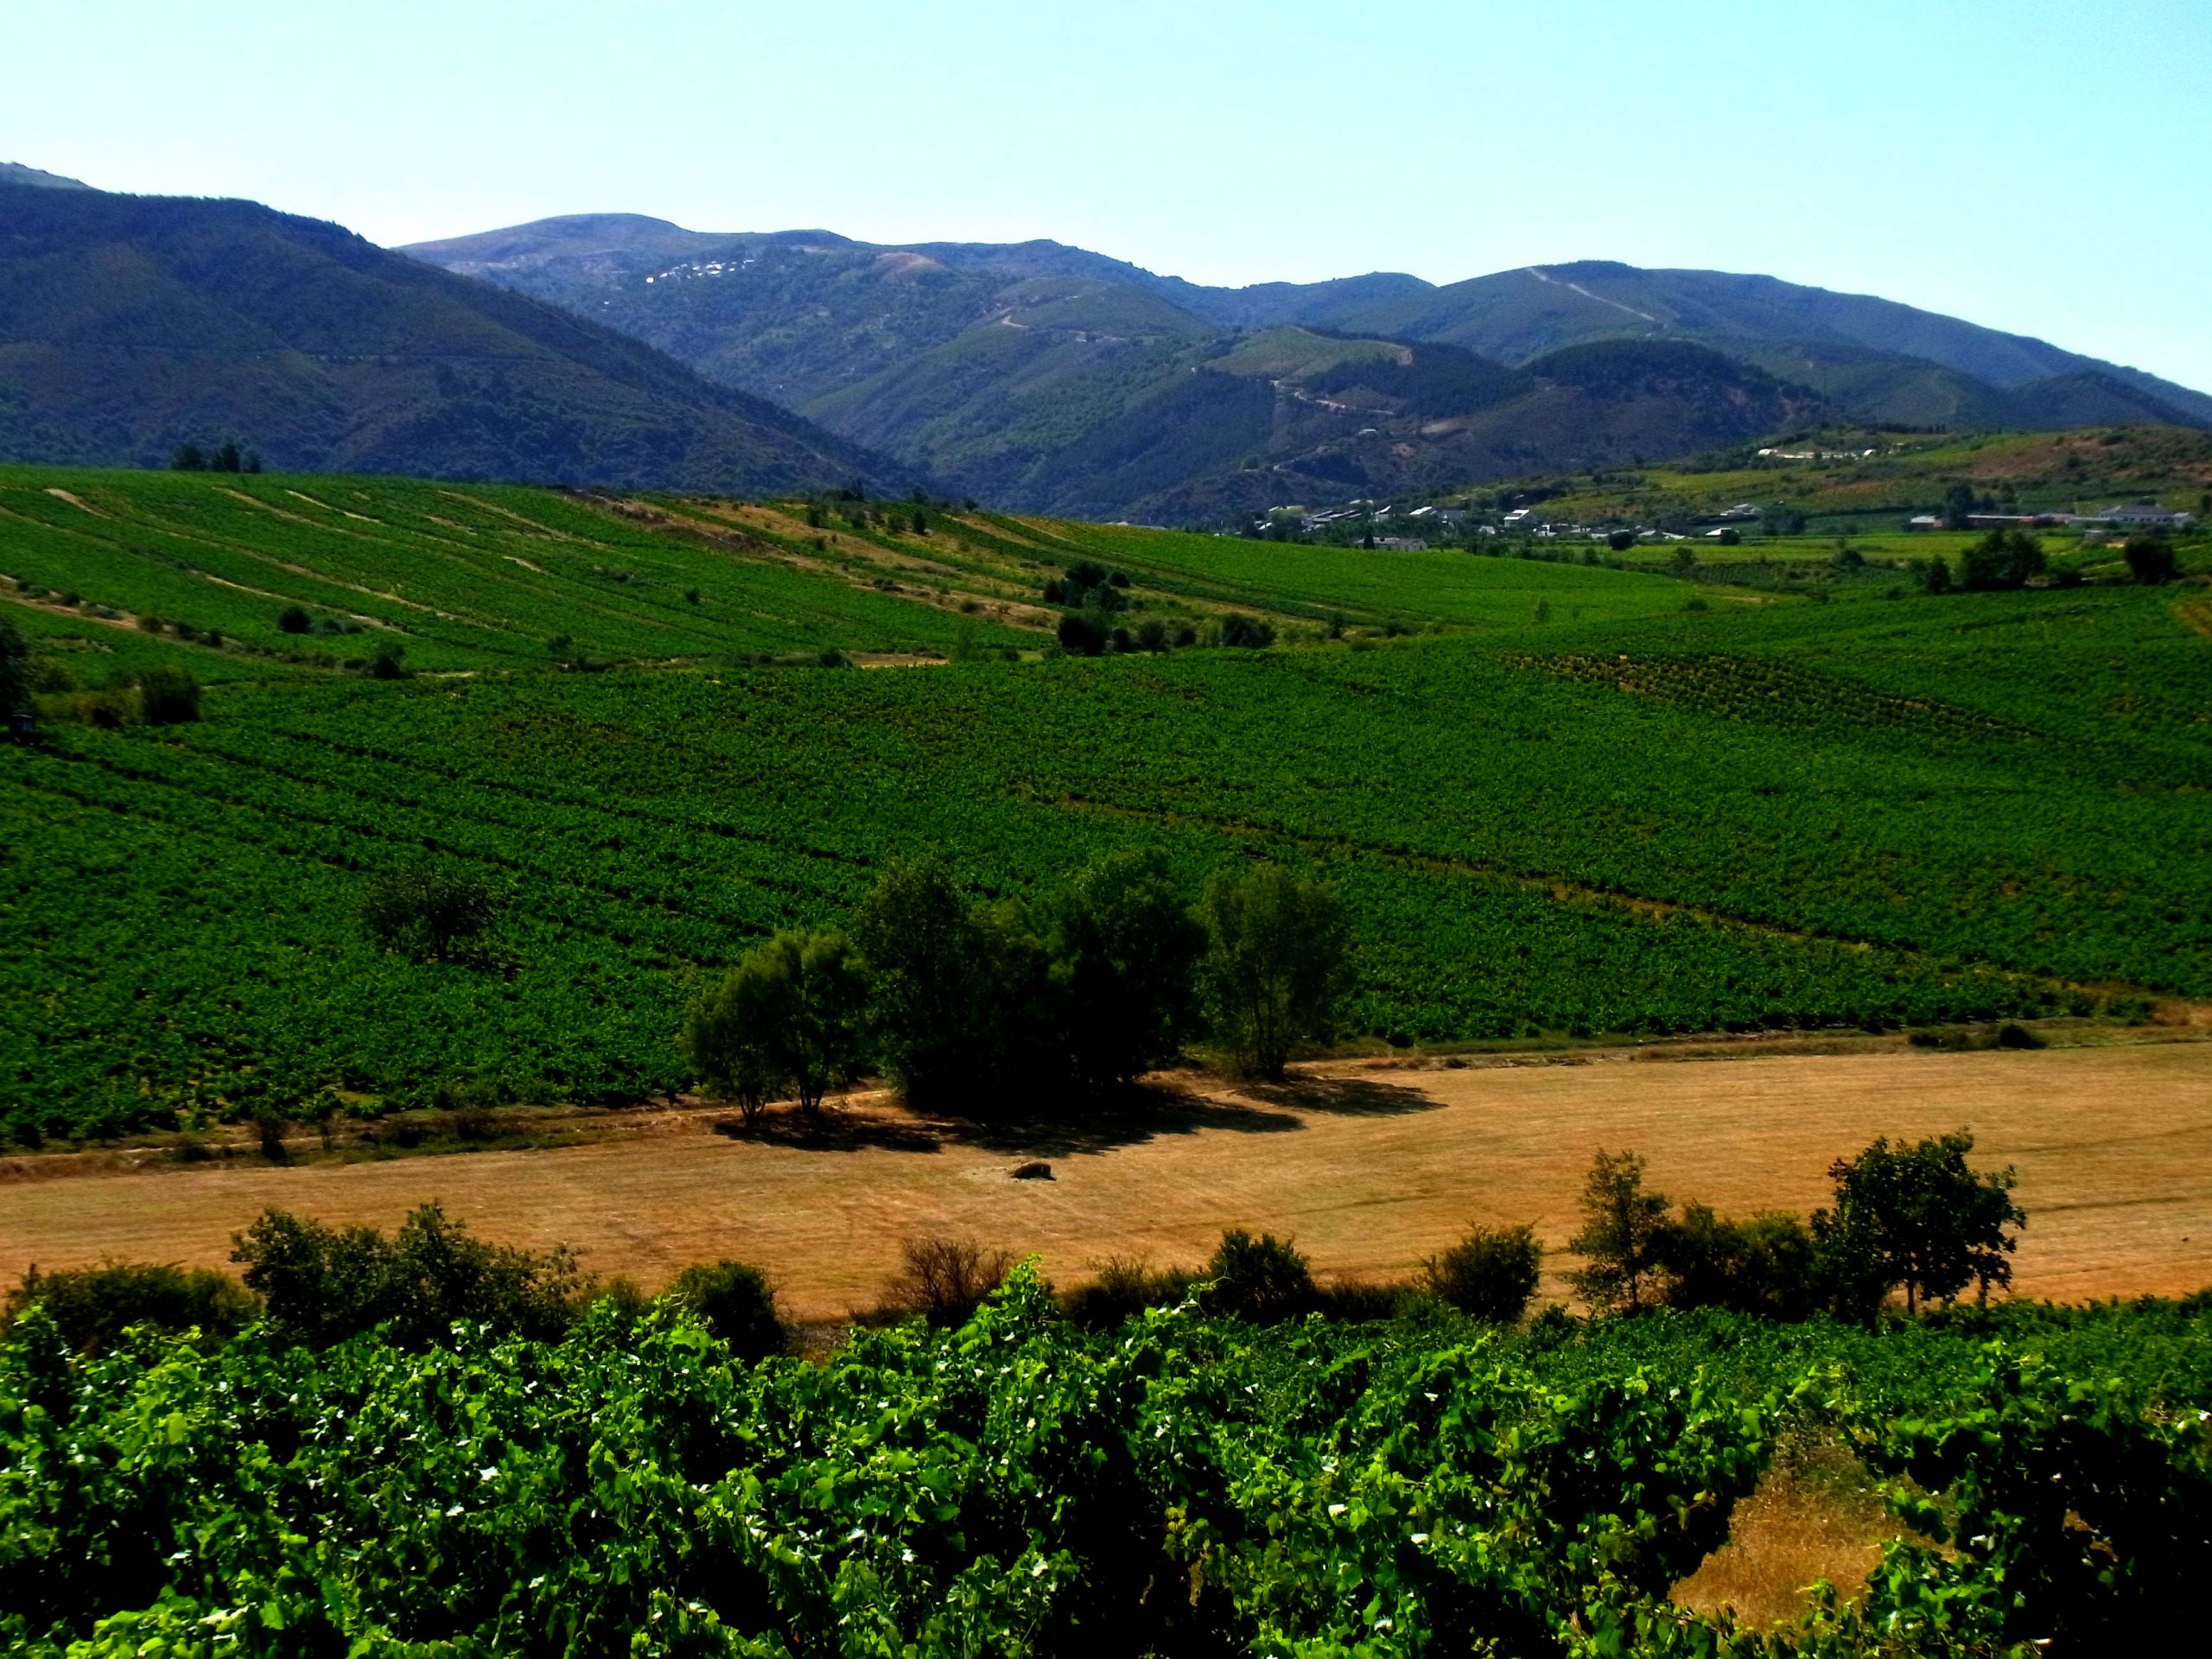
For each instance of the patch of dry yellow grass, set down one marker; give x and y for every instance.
(1815, 1516)
(1370, 1169)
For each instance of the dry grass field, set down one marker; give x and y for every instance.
(1371, 1168)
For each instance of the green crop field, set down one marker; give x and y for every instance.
(462, 576)
(1768, 815)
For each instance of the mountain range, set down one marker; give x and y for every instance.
(132, 325)
(618, 350)
(1051, 378)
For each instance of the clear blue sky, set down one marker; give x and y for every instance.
(2041, 167)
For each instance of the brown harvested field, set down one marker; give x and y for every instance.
(1371, 1169)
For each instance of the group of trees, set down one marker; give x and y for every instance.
(1912, 1218)
(225, 457)
(963, 1004)
(160, 696)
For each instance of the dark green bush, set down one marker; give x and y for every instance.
(1125, 1286)
(1261, 1281)
(323, 1284)
(167, 696)
(737, 1304)
(1491, 1275)
(429, 914)
(1766, 1265)
(94, 1305)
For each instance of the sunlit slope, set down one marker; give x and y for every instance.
(459, 576)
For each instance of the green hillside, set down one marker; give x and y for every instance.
(1630, 817)
(458, 576)
(132, 325)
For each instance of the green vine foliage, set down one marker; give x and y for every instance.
(1184, 1485)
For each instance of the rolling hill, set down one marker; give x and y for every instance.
(1050, 378)
(132, 325)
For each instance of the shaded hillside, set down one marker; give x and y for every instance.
(129, 325)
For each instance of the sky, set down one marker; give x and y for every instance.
(2038, 167)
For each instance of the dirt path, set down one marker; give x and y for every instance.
(1370, 1169)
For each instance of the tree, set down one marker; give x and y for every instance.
(167, 696)
(1958, 503)
(929, 977)
(1685, 559)
(1729, 536)
(1081, 635)
(2150, 560)
(1919, 1217)
(1277, 963)
(15, 671)
(2003, 559)
(293, 619)
(1622, 1227)
(786, 1020)
(94, 1305)
(1248, 633)
(427, 913)
(1763, 1266)
(188, 458)
(1124, 950)
(1621, 540)
(1936, 574)
(1489, 1275)
(226, 458)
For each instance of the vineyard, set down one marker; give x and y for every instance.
(1184, 1485)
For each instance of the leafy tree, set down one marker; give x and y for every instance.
(1622, 1230)
(930, 980)
(1489, 1275)
(1936, 574)
(2002, 559)
(1248, 633)
(1917, 1216)
(787, 1020)
(2150, 560)
(226, 458)
(15, 671)
(1152, 635)
(1958, 503)
(188, 458)
(1621, 540)
(428, 914)
(1729, 536)
(293, 619)
(1277, 963)
(385, 661)
(1124, 948)
(736, 1302)
(1261, 1281)
(323, 1284)
(1081, 635)
(1685, 559)
(167, 696)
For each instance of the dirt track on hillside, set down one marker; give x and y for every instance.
(1371, 1169)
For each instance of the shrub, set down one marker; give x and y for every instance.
(2010, 1035)
(737, 1304)
(945, 1280)
(15, 671)
(323, 1284)
(293, 619)
(428, 914)
(1081, 635)
(2002, 559)
(1277, 965)
(1621, 540)
(1248, 633)
(93, 1306)
(787, 1020)
(1261, 1281)
(1125, 1286)
(1491, 1275)
(167, 696)
(1763, 1266)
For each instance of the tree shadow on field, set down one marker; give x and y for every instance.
(1343, 1096)
(836, 1130)
(1126, 1117)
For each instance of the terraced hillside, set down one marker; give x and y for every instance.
(1780, 814)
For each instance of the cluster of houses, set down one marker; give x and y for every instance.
(2126, 515)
